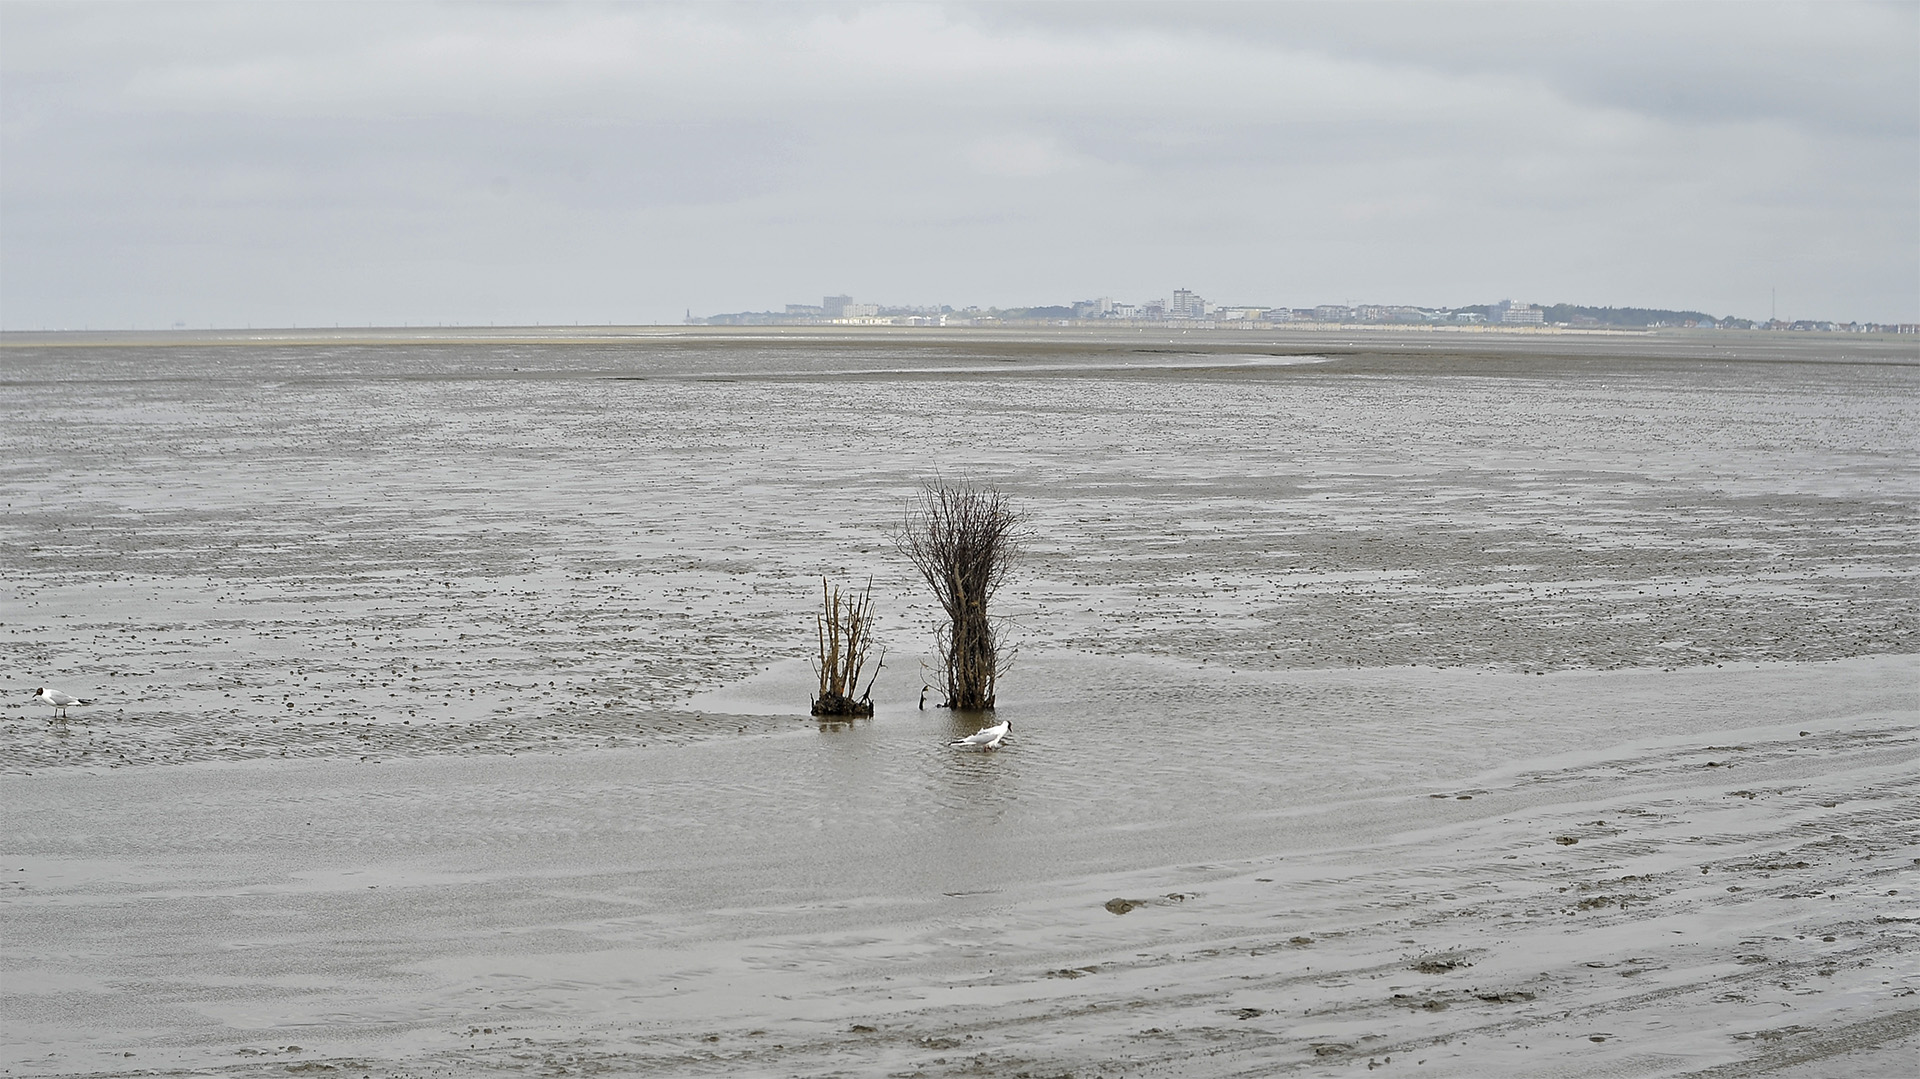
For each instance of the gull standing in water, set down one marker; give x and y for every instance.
(990, 738)
(59, 701)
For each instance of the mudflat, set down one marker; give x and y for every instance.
(1490, 706)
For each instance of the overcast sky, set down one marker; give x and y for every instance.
(307, 164)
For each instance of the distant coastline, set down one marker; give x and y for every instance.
(1188, 310)
(1198, 334)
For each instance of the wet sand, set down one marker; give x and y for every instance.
(434, 743)
(1690, 899)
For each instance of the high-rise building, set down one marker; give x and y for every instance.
(1186, 304)
(834, 306)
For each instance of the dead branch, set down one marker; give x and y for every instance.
(843, 631)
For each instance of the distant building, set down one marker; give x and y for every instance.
(1389, 313)
(1509, 312)
(837, 308)
(1187, 304)
(1332, 312)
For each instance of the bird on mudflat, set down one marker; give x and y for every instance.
(57, 700)
(989, 738)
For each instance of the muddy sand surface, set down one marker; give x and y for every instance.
(1495, 711)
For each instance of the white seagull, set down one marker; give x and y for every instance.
(989, 738)
(59, 701)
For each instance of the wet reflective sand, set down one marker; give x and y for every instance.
(447, 683)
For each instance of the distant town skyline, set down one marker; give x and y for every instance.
(1187, 307)
(310, 163)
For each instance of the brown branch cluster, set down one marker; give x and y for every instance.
(844, 628)
(964, 542)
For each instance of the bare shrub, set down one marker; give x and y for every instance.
(963, 540)
(844, 628)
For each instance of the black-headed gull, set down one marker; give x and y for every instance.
(988, 738)
(57, 700)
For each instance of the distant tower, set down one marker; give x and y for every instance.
(834, 306)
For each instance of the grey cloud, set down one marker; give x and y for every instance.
(1850, 66)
